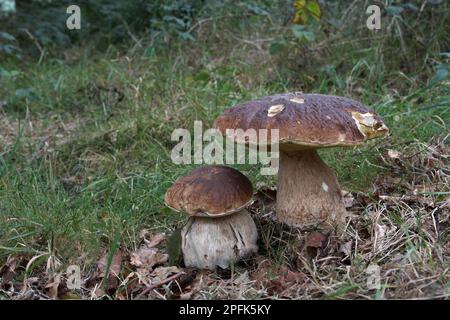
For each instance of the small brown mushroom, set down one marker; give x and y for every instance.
(220, 231)
(308, 192)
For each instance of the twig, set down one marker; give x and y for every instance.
(199, 23)
(132, 36)
(156, 285)
(36, 43)
(255, 42)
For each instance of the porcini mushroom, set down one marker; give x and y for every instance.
(220, 231)
(308, 192)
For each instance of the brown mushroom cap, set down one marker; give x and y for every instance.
(305, 120)
(211, 191)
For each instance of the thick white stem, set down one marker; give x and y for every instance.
(308, 193)
(211, 242)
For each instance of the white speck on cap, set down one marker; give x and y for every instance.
(342, 137)
(297, 100)
(324, 186)
(274, 110)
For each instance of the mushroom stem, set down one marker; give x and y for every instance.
(210, 242)
(308, 193)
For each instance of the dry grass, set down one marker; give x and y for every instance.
(36, 133)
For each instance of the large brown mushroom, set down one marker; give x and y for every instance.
(219, 231)
(308, 192)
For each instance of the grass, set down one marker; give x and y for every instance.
(85, 144)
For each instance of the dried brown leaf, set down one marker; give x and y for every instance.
(394, 154)
(348, 199)
(155, 240)
(316, 239)
(346, 248)
(113, 274)
(163, 272)
(115, 267)
(147, 258)
(8, 270)
(52, 287)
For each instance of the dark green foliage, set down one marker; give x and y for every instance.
(104, 22)
(107, 22)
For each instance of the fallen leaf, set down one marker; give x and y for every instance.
(293, 277)
(144, 234)
(346, 248)
(348, 199)
(316, 240)
(147, 258)
(113, 274)
(265, 267)
(380, 233)
(8, 270)
(285, 282)
(115, 267)
(394, 154)
(163, 272)
(243, 278)
(52, 287)
(53, 264)
(188, 284)
(155, 240)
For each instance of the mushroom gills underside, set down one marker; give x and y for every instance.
(308, 193)
(209, 243)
